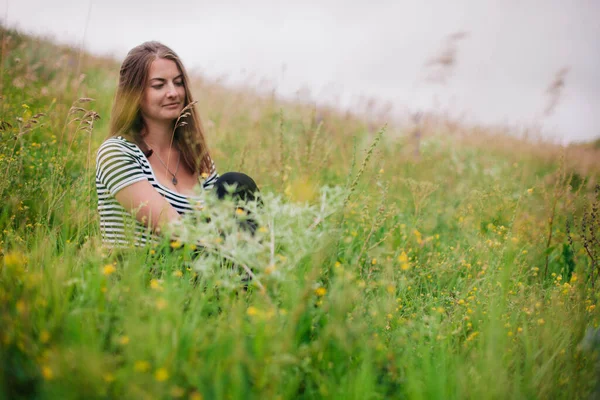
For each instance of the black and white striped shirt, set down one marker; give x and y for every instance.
(120, 163)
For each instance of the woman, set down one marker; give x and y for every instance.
(156, 153)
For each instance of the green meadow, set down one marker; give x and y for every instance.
(459, 265)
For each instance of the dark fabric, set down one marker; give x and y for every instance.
(245, 187)
(240, 187)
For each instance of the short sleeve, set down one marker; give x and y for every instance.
(117, 165)
(210, 179)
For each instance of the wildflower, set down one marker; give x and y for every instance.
(155, 285)
(14, 260)
(374, 261)
(177, 391)
(161, 375)
(391, 289)
(44, 336)
(263, 229)
(530, 191)
(161, 304)
(178, 273)
(472, 336)
(252, 311)
(141, 366)
(403, 258)
(47, 373)
(381, 171)
(196, 396)
(175, 244)
(418, 236)
(320, 291)
(239, 211)
(337, 264)
(541, 321)
(108, 269)
(270, 269)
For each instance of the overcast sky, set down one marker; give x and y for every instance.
(353, 48)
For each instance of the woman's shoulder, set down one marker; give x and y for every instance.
(119, 143)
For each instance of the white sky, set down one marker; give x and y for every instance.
(348, 49)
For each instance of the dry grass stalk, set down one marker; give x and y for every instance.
(441, 67)
(555, 90)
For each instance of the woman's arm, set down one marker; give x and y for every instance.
(120, 172)
(148, 206)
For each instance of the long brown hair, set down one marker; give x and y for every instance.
(126, 118)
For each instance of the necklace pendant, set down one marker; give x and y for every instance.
(174, 180)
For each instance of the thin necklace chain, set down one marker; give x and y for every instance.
(174, 175)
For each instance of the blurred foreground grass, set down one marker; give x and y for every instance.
(468, 271)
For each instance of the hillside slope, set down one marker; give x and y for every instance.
(463, 264)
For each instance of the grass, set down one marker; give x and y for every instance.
(468, 271)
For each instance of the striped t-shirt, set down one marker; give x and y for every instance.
(120, 163)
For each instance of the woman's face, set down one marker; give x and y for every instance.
(164, 94)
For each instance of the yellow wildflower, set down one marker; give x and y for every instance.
(155, 285)
(141, 366)
(15, 260)
(161, 304)
(47, 373)
(196, 396)
(109, 269)
(270, 269)
(320, 291)
(21, 307)
(44, 336)
(178, 273)
(252, 311)
(177, 392)
(161, 375)
(403, 258)
(175, 244)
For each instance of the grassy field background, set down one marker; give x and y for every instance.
(467, 271)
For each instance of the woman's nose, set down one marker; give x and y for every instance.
(172, 91)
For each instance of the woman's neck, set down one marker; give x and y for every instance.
(158, 135)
